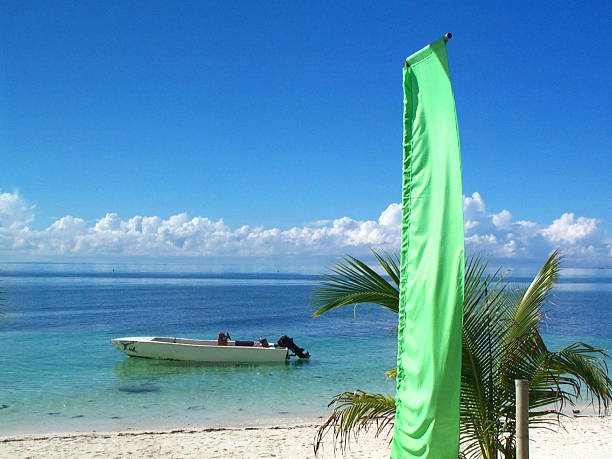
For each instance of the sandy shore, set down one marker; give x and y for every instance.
(584, 437)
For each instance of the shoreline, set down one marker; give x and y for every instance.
(577, 437)
(79, 425)
(87, 426)
(156, 431)
(287, 441)
(138, 433)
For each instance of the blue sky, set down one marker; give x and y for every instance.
(280, 114)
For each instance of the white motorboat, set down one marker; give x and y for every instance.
(222, 350)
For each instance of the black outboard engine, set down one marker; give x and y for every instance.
(285, 341)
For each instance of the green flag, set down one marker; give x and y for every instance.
(432, 264)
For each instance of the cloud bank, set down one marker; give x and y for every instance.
(498, 235)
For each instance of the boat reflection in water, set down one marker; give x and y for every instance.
(153, 368)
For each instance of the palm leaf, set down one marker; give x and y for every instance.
(501, 343)
(356, 412)
(353, 282)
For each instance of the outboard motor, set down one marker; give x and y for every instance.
(285, 341)
(222, 339)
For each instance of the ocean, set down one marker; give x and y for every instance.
(59, 372)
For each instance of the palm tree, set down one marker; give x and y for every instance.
(501, 343)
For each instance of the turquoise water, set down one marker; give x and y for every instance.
(58, 371)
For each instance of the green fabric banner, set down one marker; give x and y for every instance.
(432, 264)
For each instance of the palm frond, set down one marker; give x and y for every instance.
(390, 264)
(482, 341)
(353, 282)
(356, 412)
(581, 365)
(501, 342)
(526, 311)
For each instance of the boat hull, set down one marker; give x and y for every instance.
(197, 350)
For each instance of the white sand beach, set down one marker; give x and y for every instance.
(582, 437)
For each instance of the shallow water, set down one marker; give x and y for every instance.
(58, 371)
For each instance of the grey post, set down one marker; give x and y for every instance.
(522, 418)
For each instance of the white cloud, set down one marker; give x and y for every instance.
(14, 211)
(502, 220)
(473, 206)
(581, 238)
(67, 224)
(391, 216)
(319, 223)
(473, 211)
(568, 229)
